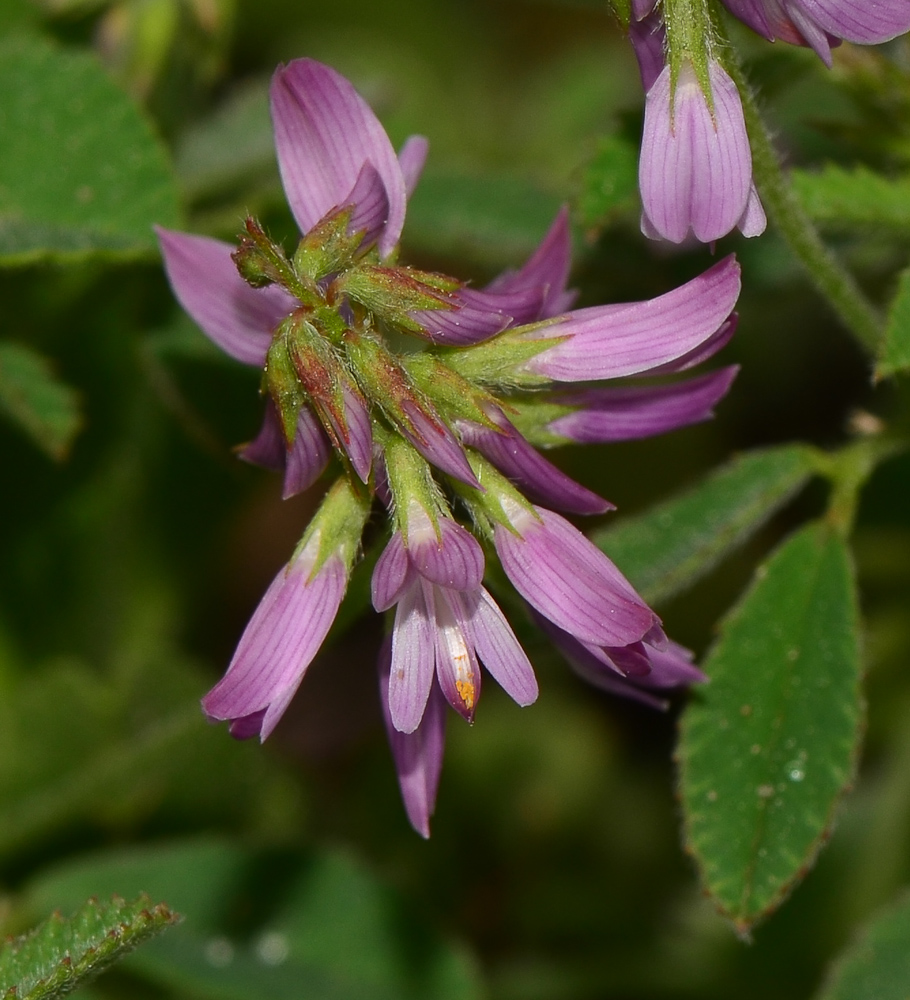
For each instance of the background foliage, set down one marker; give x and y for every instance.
(135, 546)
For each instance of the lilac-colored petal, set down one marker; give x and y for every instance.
(867, 23)
(641, 8)
(707, 349)
(307, 456)
(571, 582)
(279, 643)
(753, 221)
(454, 559)
(369, 203)
(538, 479)
(460, 326)
(648, 36)
(499, 649)
(612, 341)
(413, 655)
(721, 155)
(267, 449)
(547, 270)
(591, 668)
(411, 158)
(324, 133)
(457, 669)
(235, 316)
(436, 443)
(247, 726)
(630, 661)
(628, 413)
(390, 574)
(695, 172)
(673, 667)
(357, 434)
(516, 305)
(418, 755)
(755, 13)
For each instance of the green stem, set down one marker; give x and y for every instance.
(786, 212)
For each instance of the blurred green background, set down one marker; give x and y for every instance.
(131, 564)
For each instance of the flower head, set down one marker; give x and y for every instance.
(453, 426)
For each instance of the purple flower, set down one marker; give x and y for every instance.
(695, 172)
(667, 333)
(569, 581)
(444, 621)
(417, 429)
(279, 643)
(821, 24)
(667, 669)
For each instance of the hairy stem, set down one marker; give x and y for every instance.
(786, 212)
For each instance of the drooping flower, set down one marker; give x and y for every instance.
(822, 24)
(459, 419)
(695, 173)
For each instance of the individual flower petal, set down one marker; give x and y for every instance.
(628, 413)
(267, 449)
(418, 755)
(355, 435)
(457, 669)
(612, 341)
(390, 574)
(452, 559)
(648, 37)
(568, 580)
(235, 316)
(303, 463)
(437, 444)
(279, 643)
(695, 172)
(546, 270)
(308, 455)
(413, 657)
(411, 158)
(706, 349)
(369, 203)
(461, 325)
(324, 133)
(499, 650)
(537, 478)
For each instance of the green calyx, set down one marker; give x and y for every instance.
(337, 526)
(501, 361)
(490, 507)
(691, 35)
(393, 293)
(329, 247)
(412, 484)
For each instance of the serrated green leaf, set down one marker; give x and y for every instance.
(669, 547)
(895, 353)
(338, 934)
(770, 744)
(85, 173)
(610, 182)
(854, 197)
(61, 954)
(35, 399)
(877, 966)
(492, 220)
